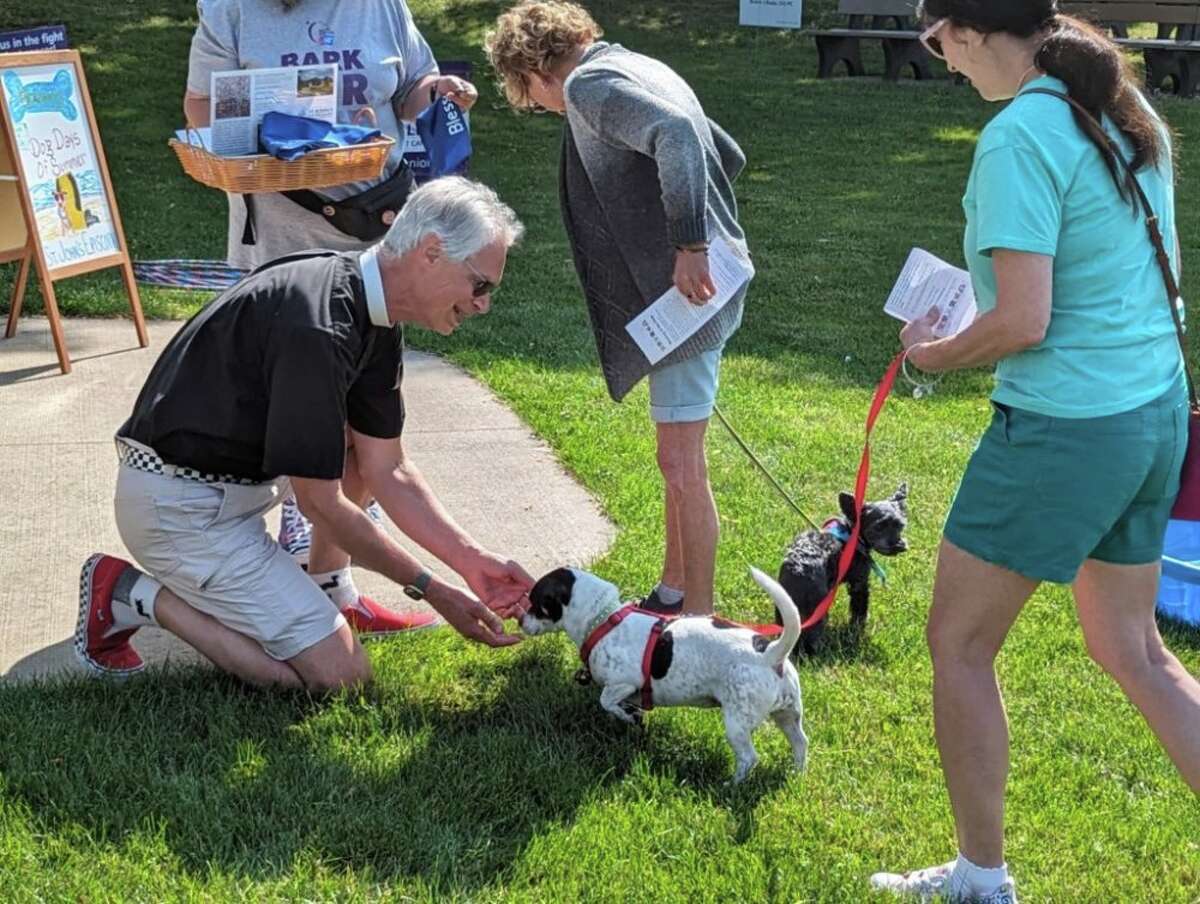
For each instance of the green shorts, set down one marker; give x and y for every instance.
(1041, 495)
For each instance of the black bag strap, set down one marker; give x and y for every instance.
(1097, 133)
(249, 230)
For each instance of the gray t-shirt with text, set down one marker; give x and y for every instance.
(381, 56)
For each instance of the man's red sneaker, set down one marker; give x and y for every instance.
(369, 619)
(101, 653)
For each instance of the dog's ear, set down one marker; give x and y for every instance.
(551, 594)
(901, 496)
(846, 501)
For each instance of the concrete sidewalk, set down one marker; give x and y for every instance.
(58, 470)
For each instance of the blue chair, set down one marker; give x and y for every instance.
(1179, 590)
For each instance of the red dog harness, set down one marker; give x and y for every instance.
(660, 624)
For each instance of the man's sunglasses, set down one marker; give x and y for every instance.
(931, 42)
(483, 285)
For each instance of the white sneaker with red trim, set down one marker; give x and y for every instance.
(295, 531)
(933, 884)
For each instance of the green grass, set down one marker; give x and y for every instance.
(470, 775)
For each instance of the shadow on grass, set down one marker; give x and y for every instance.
(841, 643)
(444, 769)
(1177, 634)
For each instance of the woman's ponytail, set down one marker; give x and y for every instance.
(1099, 77)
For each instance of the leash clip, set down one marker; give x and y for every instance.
(583, 676)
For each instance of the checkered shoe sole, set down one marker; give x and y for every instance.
(81, 624)
(141, 460)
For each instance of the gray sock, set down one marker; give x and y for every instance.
(124, 584)
(669, 596)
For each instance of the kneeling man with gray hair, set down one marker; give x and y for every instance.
(293, 375)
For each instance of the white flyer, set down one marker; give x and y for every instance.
(239, 99)
(927, 282)
(672, 319)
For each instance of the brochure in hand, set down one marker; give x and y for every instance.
(672, 319)
(929, 282)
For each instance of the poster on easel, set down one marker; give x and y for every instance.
(65, 193)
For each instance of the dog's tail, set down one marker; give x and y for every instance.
(780, 648)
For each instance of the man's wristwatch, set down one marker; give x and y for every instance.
(416, 590)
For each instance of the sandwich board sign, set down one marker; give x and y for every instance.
(772, 13)
(65, 198)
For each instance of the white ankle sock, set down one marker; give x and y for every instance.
(668, 595)
(133, 600)
(969, 880)
(338, 586)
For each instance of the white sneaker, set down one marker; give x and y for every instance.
(375, 512)
(933, 883)
(295, 531)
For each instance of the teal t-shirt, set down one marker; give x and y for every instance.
(1039, 185)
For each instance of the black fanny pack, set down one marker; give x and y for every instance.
(365, 216)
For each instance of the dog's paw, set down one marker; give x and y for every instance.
(743, 769)
(633, 714)
(623, 713)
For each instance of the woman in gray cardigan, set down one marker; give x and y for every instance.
(645, 184)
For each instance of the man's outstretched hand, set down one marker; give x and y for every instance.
(469, 617)
(501, 584)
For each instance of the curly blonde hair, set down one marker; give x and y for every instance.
(532, 37)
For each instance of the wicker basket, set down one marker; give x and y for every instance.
(262, 172)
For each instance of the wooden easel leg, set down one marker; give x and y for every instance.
(18, 295)
(135, 302)
(56, 330)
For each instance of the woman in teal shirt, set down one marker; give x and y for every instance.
(1074, 479)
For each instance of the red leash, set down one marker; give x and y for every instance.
(860, 489)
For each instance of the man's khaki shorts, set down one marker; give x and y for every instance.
(208, 544)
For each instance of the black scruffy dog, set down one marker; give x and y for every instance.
(810, 567)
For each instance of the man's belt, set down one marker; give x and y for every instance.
(142, 459)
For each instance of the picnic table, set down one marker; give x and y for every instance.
(1171, 57)
(892, 22)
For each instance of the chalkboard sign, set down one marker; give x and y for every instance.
(63, 184)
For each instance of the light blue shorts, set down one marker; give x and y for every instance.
(685, 391)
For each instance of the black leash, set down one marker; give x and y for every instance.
(862, 546)
(754, 458)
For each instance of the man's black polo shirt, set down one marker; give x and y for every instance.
(261, 383)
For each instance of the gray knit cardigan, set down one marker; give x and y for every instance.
(642, 171)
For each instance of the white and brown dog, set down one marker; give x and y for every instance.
(644, 660)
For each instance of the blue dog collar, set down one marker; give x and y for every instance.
(839, 530)
(842, 532)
